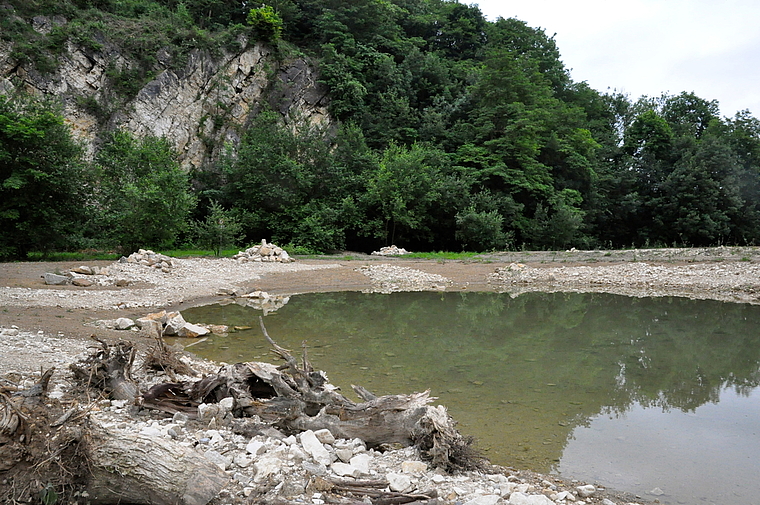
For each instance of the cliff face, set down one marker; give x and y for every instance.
(199, 108)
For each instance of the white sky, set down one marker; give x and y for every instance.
(650, 47)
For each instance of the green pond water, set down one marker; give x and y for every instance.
(640, 394)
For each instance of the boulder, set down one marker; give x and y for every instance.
(192, 331)
(55, 279)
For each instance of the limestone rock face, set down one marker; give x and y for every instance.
(199, 107)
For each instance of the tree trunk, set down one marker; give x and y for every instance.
(139, 469)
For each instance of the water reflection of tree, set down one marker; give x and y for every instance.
(548, 361)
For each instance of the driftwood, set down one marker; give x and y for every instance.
(136, 468)
(109, 369)
(294, 397)
(115, 467)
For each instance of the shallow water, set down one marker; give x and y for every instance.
(633, 393)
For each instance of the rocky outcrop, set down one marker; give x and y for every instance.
(199, 107)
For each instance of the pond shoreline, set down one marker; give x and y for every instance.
(62, 314)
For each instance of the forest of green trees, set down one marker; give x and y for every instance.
(453, 133)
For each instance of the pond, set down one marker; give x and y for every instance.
(655, 396)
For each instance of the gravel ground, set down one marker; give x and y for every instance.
(45, 326)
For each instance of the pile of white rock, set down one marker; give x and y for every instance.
(310, 467)
(163, 323)
(390, 278)
(390, 251)
(82, 276)
(264, 252)
(150, 259)
(263, 301)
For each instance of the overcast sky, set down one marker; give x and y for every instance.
(647, 47)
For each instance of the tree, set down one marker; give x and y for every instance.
(44, 186)
(144, 194)
(220, 229)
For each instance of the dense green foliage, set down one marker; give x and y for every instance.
(144, 196)
(44, 190)
(452, 132)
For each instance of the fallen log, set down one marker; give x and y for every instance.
(139, 469)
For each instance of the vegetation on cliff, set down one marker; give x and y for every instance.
(452, 132)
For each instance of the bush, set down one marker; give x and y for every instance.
(480, 231)
(266, 23)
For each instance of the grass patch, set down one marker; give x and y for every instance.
(442, 255)
(197, 253)
(86, 255)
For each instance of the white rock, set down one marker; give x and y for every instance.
(266, 467)
(256, 447)
(607, 502)
(657, 491)
(343, 469)
(314, 447)
(399, 482)
(290, 440)
(586, 491)
(416, 468)
(518, 498)
(295, 453)
(150, 431)
(174, 321)
(565, 495)
(227, 403)
(344, 454)
(325, 436)
(438, 479)
(489, 499)
(242, 460)
(123, 323)
(219, 460)
(361, 462)
(192, 331)
(207, 411)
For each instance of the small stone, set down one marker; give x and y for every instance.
(55, 279)
(414, 467)
(325, 436)
(150, 431)
(586, 491)
(267, 467)
(489, 499)
(399, 482)
(314, 468)
(343, 469)
(657, 491)
(123, 323)
(607, 502)
(361, 462)
(174, 321)
(518, 498)
(314, 447)
(219, 460)
(438, 479)
(84, 270)
(256, 447)
(344, 454)
(192, 331)
(82, 283)
(180, 418)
